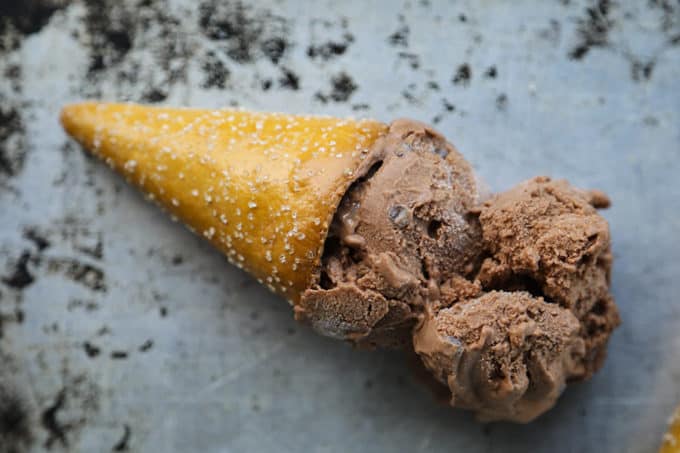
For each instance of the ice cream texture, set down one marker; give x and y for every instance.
(380, 235)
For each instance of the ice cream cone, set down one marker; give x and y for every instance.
(261, 187)
(412, 259)
(671, 440)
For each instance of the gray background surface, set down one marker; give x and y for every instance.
(127, 333)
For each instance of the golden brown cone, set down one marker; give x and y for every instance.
(261, 187)
(671, 440)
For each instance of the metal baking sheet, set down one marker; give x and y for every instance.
(123, 332)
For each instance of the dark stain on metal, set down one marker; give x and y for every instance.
(91, 350)
(15, 420)
(85, 274)
(19, 19)
(289, 79)
(55, 430)
(593, 29)
(400, 37)
(215, 72)
(12, 139)
(39, 239)
(412, 59)
(20, 277)
(641, 71)
(330, 49)
(114, 29)
(146, 346)
(342, 88)
(123, 443)
(502, 102)
(463, 75)
(154, 95)
(491, 72)
(111, 35)
(244, 33)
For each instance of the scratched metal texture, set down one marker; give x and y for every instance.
(123, 332)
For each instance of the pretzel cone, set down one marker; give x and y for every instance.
(671, 440)
(261, 187)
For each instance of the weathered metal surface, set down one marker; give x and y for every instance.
(121, 330)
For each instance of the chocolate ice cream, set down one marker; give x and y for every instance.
(505, 299)
(504, 354)
(401, 231)
(547, 238)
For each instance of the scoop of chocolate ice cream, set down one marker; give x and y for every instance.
(400, 232)
(546, 237)
(504, 299)
(506, 355)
